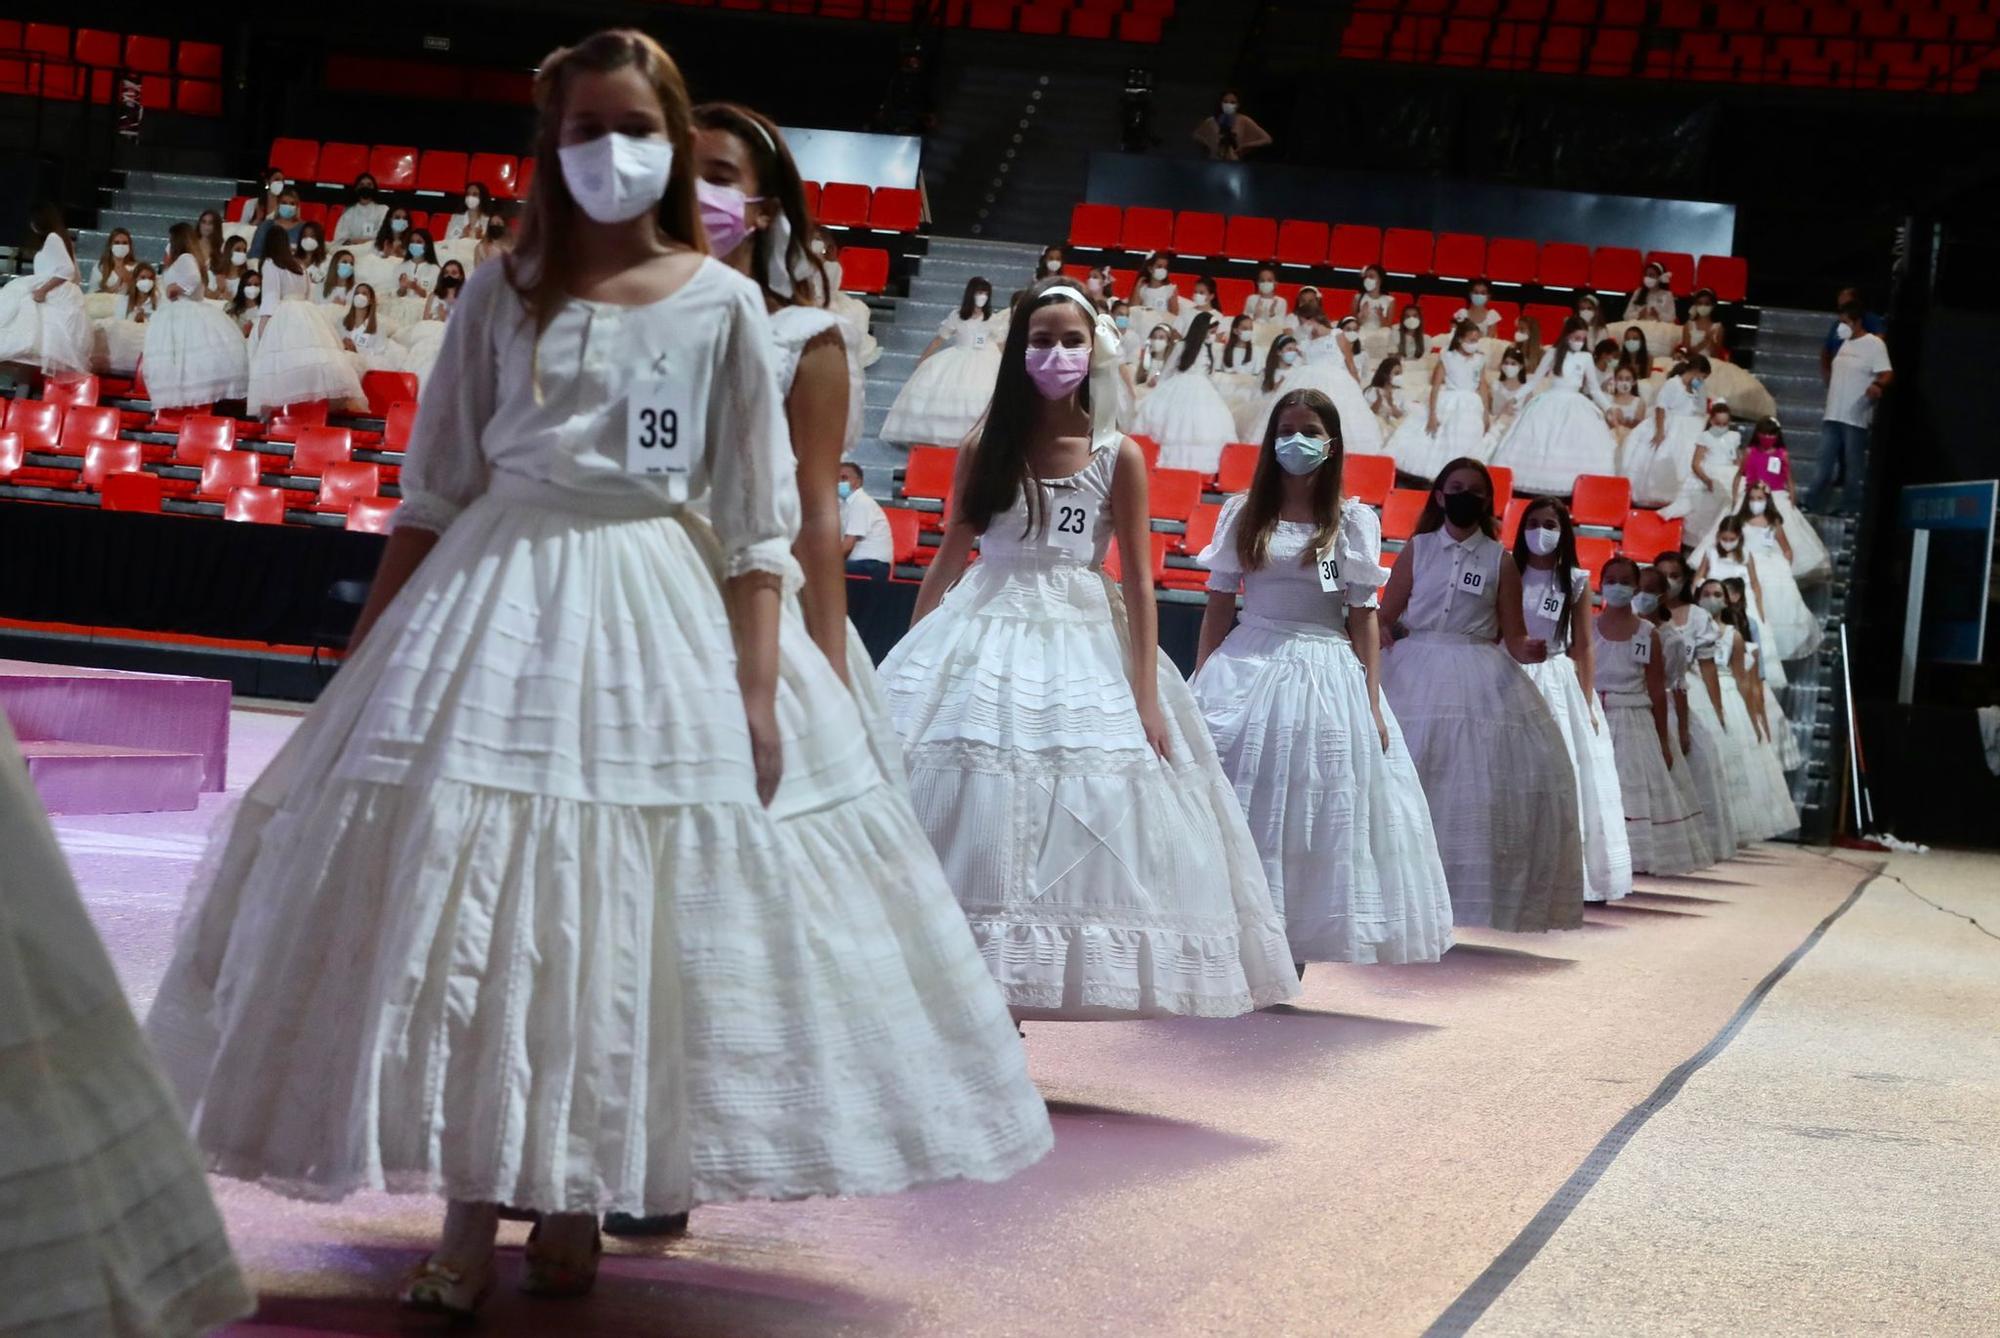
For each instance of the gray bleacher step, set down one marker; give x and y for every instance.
(180, 183)
(1792, 321)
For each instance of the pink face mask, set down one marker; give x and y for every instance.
(1057, 370)
(722, 215)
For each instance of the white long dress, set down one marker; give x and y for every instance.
(1461, 420)
(1186, 415)
(298, 356)
(1502, 793)
(1101, 880)
(194, 352)
(505, 920)
(1810, 560)
(53, 334)
(1341, 823)
(1792, 631)
(1559, 433)
(106, 1224)
(1656, 465)
(1763, 802)
(1662, 820)
(1607, 856)
(1703, 768)
(949, 391)
(1508, 397)
(1697, 505)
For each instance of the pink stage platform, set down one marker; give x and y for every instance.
(105, 741)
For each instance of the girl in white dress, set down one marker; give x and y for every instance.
(1751, 546)
(1662, 827)
(1266, 308)
(422, 341)
(312, 253)
(1660, 452)
(243, 306)
(1626, 408)
(1591, 313)
(1498, 779)
(1506, 394)
(1653, 299)
(116, 265)
(340, 280)
(109, 1225)
(195, 355)
(1763, 681)
(489, 873)
(1699, 786)
(42, 318)
(1763, 802)
(1201, 304)
(1768, 460)
(471, 225)
(1254, 414)
(1185, 413)
(1632, 352)
(1292, 697)
(1154, 290)
(366, 337)
(1453, 422)
(1373, 310)
(1155, 357)
(953, 381)
(227, 272)
(1555, 610)
(1692, 657)
(121, 338)
(1332, 368)
(1061, 769)
(1478, 311)
(298, 355)
(1560, 433)
(1384, 395)
(1707, 493)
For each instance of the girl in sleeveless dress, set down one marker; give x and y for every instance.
(1661, 824)
(297, 356)
(1659, 453)
(1676, 656)
(1266, 308)
(1764, 679)
(1502, 794)
(1062, 771)
(1689, 632)
(1155, 296)
(1707, 492)
(518, 857)
(1185, 413)
(1373, 310)
(1755, 537)
(1555, 609)
(42, 319)
(194, 353)
(953, 382)
(1560, 433)
(1653, 299)
(1292, 697)
(1384, 394)
(1764, 806)
(1453, 422)
(1505, 395)
(1285, 355)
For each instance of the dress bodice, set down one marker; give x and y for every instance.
(184, 274)
(1374, 310)
(1678, 655)
(1542, 608)
(1154, 296)
(1699, 631)
(1261, 308)
(1462, 371)
(966, 331)
(1721, 447)
(1507, 397)
(1577, 373)
(1621, 665)
(1631, 413)
(1009, 539)
(1287, 590)
(1455, 585)
(53, 260)
(1761, 540)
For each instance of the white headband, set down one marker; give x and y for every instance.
(1103, 359)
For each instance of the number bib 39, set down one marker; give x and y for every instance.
(663, 431)
(1072, 524)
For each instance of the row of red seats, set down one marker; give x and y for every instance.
(1125, 20)
(50, 60)
(1414, 252)
(1832, 18)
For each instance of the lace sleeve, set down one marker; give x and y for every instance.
(1362, 574)
(1225, 569)
(752, 477)
(446, 466)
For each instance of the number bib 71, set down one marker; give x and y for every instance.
(663, 431)
(1072, 524)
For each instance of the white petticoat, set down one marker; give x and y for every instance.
(53, 334)
(504, 920)
(1657, 468)
(945, 397)
(1791, 630)
(1607, 855)
(1343, 828)
(195, 354)
(1557, 435)
(1662, 825)
(116, 345)
(1100, 880)
(1461, 432)
(1498, 779)
(1187, 417)
(1704, 758)
(297, 358)
(1360, 430)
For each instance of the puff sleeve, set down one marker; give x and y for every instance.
(1362, 574)
(1225, 569)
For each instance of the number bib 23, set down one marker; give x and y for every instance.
(663, 421)
(1072, 523)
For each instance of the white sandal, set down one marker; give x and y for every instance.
(434, 1289)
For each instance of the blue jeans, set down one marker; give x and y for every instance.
(1843, 455)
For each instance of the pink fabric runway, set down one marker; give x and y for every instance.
(161, 713)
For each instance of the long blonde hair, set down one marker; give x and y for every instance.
(543, 264)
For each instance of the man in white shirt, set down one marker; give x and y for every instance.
(864, 530)
(1856, 380)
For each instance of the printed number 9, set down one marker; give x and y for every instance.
(659, 427)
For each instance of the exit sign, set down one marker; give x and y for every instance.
(435, 43)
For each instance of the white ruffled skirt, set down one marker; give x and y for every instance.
(1658, 468)
(1498, 779)
(298, 358)
(195, 355)
(1187, 417)
(1101, 881)
(53, 334)
(945, 397)
(1461, 432)
(1360, 429)
(1607, 856)
(1341, 824)
(504, 920)
(1705, 770)
(1662, 823)
(1557, 435)
(1791, 631)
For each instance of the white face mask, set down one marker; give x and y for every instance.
(1843, 331)
(399, 225)
(1712, 606)
(1159, 347)
(1051, 266)
(1588, 315)
(1479, 299)
(1634, 345)
(473, 204)
(1300, 454)
(615, 178)
(1201, 299)
(1510, 371)
(1290, 357)
(1757, 505)
(1727, 543)
(120, 250)
(1576, 345)
(1159, 274)
(144, 285)
(1645, 603)
(1413, 322)
(979, 301)
(1349, 333)
(1703, 310)
(1618, 595)
(1229, 109)
(1370, 285)
(362, 301)
(309, 244)
(1624, 387)
(1543, 539)
(1267, 287)
(1520, 335)
(1651, 282)
(252, 292)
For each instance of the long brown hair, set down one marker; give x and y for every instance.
(1574, 325)
(1530, 345)
(278, 251)
(182, 240)
(777, 179)
(542, 264)
(1267, 486)
(106, 262)
(1565, 554)
(1274, 360)
(1432, 517)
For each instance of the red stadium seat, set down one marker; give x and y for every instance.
(1592, 553)
(1197, 234)
(1503, 486)
(255, 504)
(495, 171)
(1238, 467)
(1438, 309)
(1147, 230)
(1601, 501)
(12, 454)
(1680, 270)
(224, 471)
(929, 471)
(524, 177)
(1550, 317)
(1647, 535)
(95, 46)
(198, 97)
(1251, 238)
(372, 515)
(896, 209)
(1400, 510)
(292, 419)
(1510, 520)
(1406, 251)
(1612, 51)
(1140, 27)
(864, 269)
(1368, 478)
(1302, 242)
(1510, 260)
(1464, 41)
(101, 459)
(198, 60)
(843, 204)
(441, 172)
(1095, 226)
(903, 534)
(1615, 269)
(1200, 529)
(129, 492)
(385, 389)
(1460, 255)
(1043, 17)
(319, 447)
(47, 39)
(298, 159)
(394, 166)
(1174, 493)
(346, 481)
(811, 191)
(1232, 294)
(396, 425)
(71, 390)
(313, 211)
(200, 434)
(1729, 276)
(1564, 265)
(1354, 246)
(1091, 23)
(86, 423)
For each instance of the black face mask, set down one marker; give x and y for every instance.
(364, 193)
(1464, 509)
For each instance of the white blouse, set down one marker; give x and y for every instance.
(1454, 585)
(423, 271)
(184, 274)
(1287, 589)
(359, 223)
(543, 417)
(281, 285)
(53, 260)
